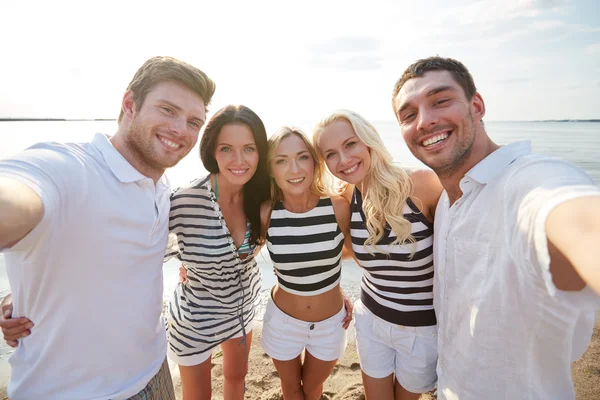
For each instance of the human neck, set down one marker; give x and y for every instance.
(482, 147)
(227, 192)
(300, 203)
(134, 158)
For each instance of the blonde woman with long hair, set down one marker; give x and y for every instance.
(305, 229)
(392, 212)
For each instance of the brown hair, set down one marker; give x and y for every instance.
(459, 72)
(160, 69)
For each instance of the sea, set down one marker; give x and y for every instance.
(574, 141)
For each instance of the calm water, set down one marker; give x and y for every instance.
(575, 142)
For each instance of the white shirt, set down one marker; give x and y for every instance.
(505, 331)
(89, 275)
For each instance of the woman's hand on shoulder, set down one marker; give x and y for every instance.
(428, 189)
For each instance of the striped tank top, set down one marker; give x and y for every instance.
(306, 248)
(396, 287)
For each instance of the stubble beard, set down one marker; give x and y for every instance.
(458, 155)
(140, 141)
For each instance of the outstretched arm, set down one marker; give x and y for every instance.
(21, 210)
(573, 234)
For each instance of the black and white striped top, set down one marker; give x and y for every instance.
(218, 300)
(306, 248)
(396, 287)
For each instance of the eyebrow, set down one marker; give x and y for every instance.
(343, 143)
(432, 92)
(286, 156)
(227, 144)
(175, 106)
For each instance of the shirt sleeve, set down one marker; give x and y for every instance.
(531, 193)
(56, 174)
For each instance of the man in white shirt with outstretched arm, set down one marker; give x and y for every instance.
(516, 248)
(83, 229)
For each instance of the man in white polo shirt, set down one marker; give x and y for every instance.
(84, 229)
(515, 247)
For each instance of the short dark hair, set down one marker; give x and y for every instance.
(256, 190)
(162, 69)
(459, 72)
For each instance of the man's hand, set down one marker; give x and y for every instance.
(13, 329)
(349, 309)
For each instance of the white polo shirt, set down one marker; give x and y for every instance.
(89, 275)
(505, 330)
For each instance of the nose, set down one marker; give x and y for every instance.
(343, 157)
(178, 125)
(239, 157)
(427, 119)
(294, 166)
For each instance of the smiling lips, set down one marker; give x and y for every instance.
(351, 169)
(238, 172)
(169, 143)
(435, 139)
(295, 181)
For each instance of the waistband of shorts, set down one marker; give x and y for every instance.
(418, 330)
(277, 313)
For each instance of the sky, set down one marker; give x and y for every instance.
(295, 61)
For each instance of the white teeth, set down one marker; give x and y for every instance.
(435, 139)
(238, 171)
(169, 143)
(351, 169)
(295, 180)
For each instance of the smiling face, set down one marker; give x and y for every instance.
(346, 156)
(292, 166)
(438, 123)
(166, 126)
(236, 153)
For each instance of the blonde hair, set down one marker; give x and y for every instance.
(319, 185)
(387, 185)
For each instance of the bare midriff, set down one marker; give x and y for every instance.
(309, 308)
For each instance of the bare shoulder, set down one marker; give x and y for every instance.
(341, 209)
(427, 189)
(347, 192)
(340, 202)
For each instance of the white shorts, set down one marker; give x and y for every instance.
(383, 348)
(189, 361)
(284, 337)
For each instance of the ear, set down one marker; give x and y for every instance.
(477, 107)
(128, 105)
